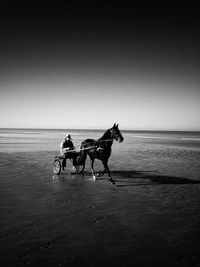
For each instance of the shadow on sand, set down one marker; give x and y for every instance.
(135, 178)
(132, 178)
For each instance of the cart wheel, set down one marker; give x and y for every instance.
(57, 166)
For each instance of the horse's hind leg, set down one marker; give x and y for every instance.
(92, 168)
(83, 168)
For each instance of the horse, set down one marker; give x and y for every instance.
(99, 149)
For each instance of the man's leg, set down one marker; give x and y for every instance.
(63, 162)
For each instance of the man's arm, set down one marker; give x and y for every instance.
(71, 146)
(62, 149)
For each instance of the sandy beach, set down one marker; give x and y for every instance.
(146, 219)
(122, 83)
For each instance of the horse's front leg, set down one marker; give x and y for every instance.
(92, 168)
(105, 163)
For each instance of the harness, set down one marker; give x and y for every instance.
(100, 148)
(100, 142)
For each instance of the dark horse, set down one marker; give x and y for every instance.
(99, 149)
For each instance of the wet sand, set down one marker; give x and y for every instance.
(146, 219)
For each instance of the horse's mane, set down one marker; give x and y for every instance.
(105, 135)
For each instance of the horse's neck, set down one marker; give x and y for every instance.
(106, 135)
(106, 139)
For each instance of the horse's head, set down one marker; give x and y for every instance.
(116, 134)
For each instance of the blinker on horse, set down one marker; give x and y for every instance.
(99, 149)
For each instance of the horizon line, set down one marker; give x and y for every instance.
(100, 129)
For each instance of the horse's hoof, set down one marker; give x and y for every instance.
(112, 181)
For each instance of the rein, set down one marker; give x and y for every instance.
(88, 148)
(100, 141)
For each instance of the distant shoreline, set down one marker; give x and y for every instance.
(99, 130)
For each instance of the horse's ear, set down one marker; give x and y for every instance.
(114, 125)
(117, 125)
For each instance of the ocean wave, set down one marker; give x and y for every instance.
(168, 138)
(22, 142)
(190, 139)
(150, 137)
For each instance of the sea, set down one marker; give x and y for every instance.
(175, 153)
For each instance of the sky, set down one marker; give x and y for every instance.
(91, 66)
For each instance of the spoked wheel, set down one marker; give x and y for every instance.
(57, 166)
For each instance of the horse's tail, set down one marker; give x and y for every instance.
(82, 154)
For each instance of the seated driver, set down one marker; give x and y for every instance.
(67, 150)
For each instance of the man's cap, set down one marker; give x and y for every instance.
(68, 136)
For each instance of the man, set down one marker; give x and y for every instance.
(67, 150)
